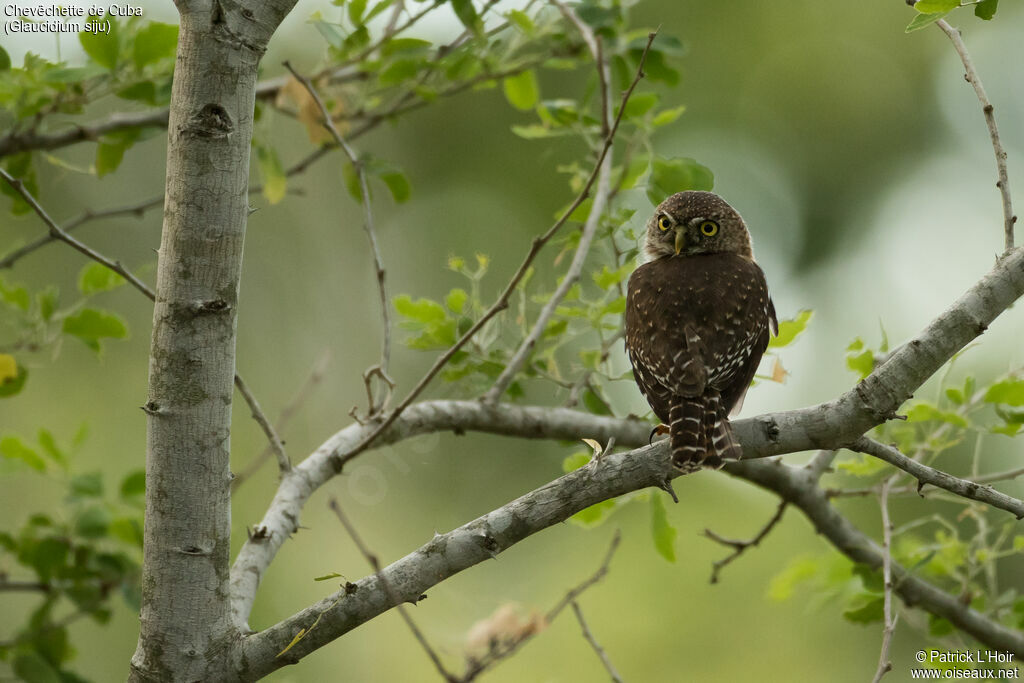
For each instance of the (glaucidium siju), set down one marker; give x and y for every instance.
(698, 319)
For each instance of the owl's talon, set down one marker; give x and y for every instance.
(660, 430)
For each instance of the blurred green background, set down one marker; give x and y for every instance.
(860, 160)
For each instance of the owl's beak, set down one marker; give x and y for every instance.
(680, 241)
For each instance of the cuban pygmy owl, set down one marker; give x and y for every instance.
(697, 323)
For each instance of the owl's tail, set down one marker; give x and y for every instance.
(701, 435)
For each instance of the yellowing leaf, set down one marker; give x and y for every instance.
(296, 639)
(506, 625)
(595, 445)
(8, 367)
(779, 373)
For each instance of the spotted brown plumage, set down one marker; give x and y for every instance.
(698, 319)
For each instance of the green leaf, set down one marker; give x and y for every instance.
(870, 577)
(16, 295)
(594, 515)
(154, 41)
(93, 522)
(127, 530)
(355, 11)
(922, 20)
(1008, 391)
(108, 158)
(134, 484)
(330, 33)
(520, 20)
(49, 555)
(865, 608)
(32, 668)
(986, 9)
(521, 90)
(102, 47)
(5, 60)
(783, 585)
(956, 396)
(397, 184)
(96, 277)
(90, 325)
(12, 376)
(923, 411)
(13, 448)
(400, 71)
(638, 105)
(576, 461)
(662, 531)
(87, 485)
(49, 444)
(680, 174)
(860, 359)
(74, 74)
(667, 116)
(275, 182)
(422, 310)
(938, 627)
(933, 6)
(636, 169)
(595, 404)
(607, 279)
(789, 330)
(328, 577)
(466, 13)
(377, 9)
(456, 300)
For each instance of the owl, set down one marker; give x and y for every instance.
(698, 318)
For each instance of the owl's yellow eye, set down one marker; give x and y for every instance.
(709, 228)
(664, 223)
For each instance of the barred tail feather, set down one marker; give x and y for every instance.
(723, 444)
(686, 427)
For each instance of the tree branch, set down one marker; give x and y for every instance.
(988, 110)
(506, 648)
(601, 654)
(283, 463)
(740, 547)
(929, 475)
(374, 563)
(378, 263)
(791, 484)
(889, 619)
(597, 207)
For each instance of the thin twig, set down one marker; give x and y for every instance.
(375, 564)
(597, 208)
(502, 302)
(739, 547)
(57, 233)
(378, 263)
(506, 649)
(602, 655)
(884, 665)
(929, 475)
(86, 216)
(284, 465)
(971, 76)
(315, 376)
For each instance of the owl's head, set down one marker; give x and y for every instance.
(692, 223)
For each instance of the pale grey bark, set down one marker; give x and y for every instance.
(830, 425)
(186, 630)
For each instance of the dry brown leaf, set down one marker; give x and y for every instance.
(307, 112)
(506, 625)
(596, 445)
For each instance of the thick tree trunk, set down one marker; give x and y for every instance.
(186, 627)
